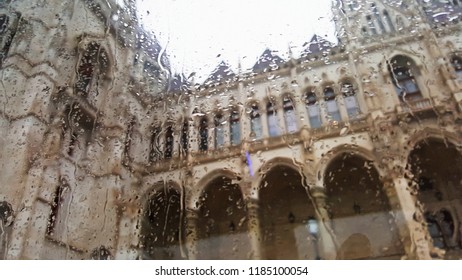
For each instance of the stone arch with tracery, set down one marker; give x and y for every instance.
(359, 206)
(162, 223)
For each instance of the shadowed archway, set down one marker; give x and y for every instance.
(222, 223)
(288, 225)
(161, 225)
(358, 206)
(437, 169)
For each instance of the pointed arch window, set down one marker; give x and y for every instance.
(273, 121)
(203, 134)
(235, 127)
(333, 111)
(154, 149)
(289, 115)
(169, 139)
(59, 209)
(314, 112)
(351, 102)
(93, 66)
(402, 70)
(371, 25)
(219, 131)
(456, 62)
(378, 18)
(255, 122)
(185, 137)
(388, 20)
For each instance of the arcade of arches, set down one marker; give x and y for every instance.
(349, 217)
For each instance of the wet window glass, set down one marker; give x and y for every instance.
(175, 129)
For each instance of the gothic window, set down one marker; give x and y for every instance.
(371, 25)
(289, 115)
(92, 68)
(331, 104)
(457, 64)
(59, 205)
(3, 23)
(351, 102)
(128, 140)
(77, 131)
(314, 113)
(168, 152)
(203, 134)
(389, 21)
(255, 122)
(378, 18)
(185, 137)
(235, 127)
(402, 70)
(219, 131)
(273, 123)
(154, 149)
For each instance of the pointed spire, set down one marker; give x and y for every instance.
(222, 73)
(317, 44)
(267, 62)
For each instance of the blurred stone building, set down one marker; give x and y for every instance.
(346, 151)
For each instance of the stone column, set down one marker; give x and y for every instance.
(254, 228)
(191, 239)
(409, 218)
(326, 239)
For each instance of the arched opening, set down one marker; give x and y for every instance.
(222, 224)
(289, 115)
(219, 122)
(235, 127)
(203, 134)
(161, 225)
(92, 69)
(185, 137)
(333, 112)
(288, 225)
(358, 206)
(312, 106)
(437, 169)
(273, 121)
(169, 139)
(255, 122)
(351, 102)
(403, 71)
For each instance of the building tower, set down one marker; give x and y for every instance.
(335, 154)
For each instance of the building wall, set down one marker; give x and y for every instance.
(89, 166)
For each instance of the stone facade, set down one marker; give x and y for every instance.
(349, 152)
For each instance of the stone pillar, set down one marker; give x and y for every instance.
(326, 239)
(281, 120)
(409, 218)
(191, 239)
(254, 228)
